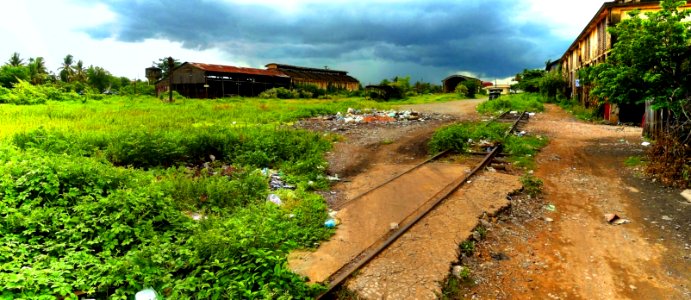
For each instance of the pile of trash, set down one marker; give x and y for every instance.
(373, 115)
(276, 180)
(355, 118)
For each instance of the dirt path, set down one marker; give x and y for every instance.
(572, 252)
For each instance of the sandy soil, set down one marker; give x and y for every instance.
(573, 252)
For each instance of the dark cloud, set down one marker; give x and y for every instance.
(476, 36)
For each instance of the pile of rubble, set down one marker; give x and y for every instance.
(355, 117)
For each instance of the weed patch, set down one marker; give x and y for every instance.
(517, 102)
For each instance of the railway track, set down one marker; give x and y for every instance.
(518, 120)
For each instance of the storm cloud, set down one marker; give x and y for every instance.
(433, 39)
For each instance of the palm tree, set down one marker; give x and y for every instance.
(15, 61)
(79, 71)
(37, 70)
(66, 71)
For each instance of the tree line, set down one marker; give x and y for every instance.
(72, 76)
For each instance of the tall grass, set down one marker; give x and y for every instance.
(519, 102)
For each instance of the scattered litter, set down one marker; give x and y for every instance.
(611, 218)
(333, 213)
(550, 207)
(146, 294)
(520, 134)
(195, 215)
(645, 144)
(614, 219)
(686, 194)
(456, 271)
(667, 218)
(513, 112)
(532, 114)
(621, 222)
(393, 225)
(469, 181)
(330, 223)
(333, 178)
(499, 256)
(273, 198)
(276, 182)
(549, 220)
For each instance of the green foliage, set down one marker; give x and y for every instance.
(579, 111)
(467, 247)
(472, 87)
(280, 93)
(531, 185)
(11, 75)
(23, 93)
(461, 90)
(553, 85)
(649, 61)
(529, 80)
(75, 224)
(518, 102)
(634, 161)
(455, 137)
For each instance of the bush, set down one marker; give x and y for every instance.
(279, 93)
(518, 102)
(81, 225)
(461, 90)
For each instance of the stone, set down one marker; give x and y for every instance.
(687, 195)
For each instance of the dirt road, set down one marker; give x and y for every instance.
(556, 247)
(571, 251)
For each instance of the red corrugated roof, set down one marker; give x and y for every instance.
(236, 70)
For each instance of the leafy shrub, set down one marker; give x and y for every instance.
(531, 185)
(279, 93)
(80, 225)
(455, 137)
(518, 102)
(461, 90)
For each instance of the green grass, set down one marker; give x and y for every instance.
(634, 161)
(578, 111)
(517, 102)
(428, 98)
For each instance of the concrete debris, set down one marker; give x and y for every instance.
(614, 219)
(687, 195)
(611, 218)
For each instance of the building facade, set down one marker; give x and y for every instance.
(322, 78)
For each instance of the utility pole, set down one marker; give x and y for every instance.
(171, 65)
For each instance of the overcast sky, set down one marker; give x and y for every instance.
(426, 40)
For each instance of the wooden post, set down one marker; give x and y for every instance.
(171, 65)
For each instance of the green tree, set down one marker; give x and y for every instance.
(79, 72)
(37, 70)
(15, 61)
(98, 78)
(472, 87)
(529, 80)
(66, 70)
(552, 84)
(651, 60)
(10, 75)
(162, 64)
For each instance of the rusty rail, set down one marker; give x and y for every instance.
(346, 271)
(440, 154)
